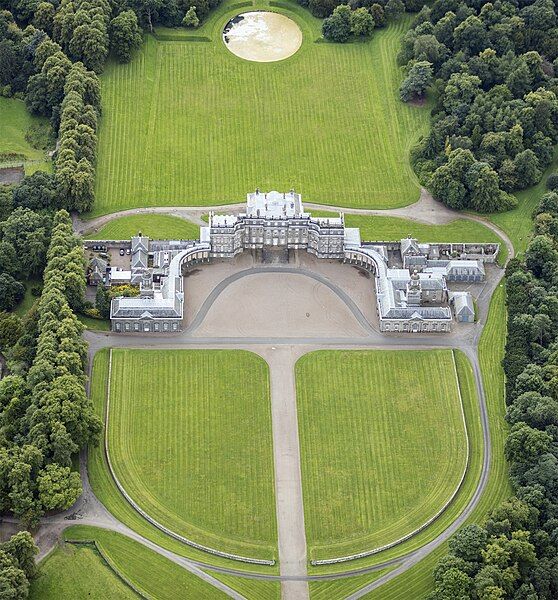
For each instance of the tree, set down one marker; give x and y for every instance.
(13, 583)
(485, 190)
(22, 549)
(322, 8)
(11, 292)
(125, 35)
(191, 18)
(471, 35)
(102, 301)
(454, 584)
(11, 330)
(527, 168)
(541, 257)
(378, 14)
(552, 182)
(6, 201)
(418, 79)
(525, 444)
(8, 258)
(362, 23)
(58, 487)
(27, 232)
(36, 191)
(468, 542)
(44, 17)
(337, 27)
(394, 9)
(533, 408)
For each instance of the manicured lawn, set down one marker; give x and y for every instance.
(339, 589)
(15, 122)
(107, 492)
(188, 123)
(417, 582)
(252, 589)
(76, 571)
(190, 440)
(374, 229)
(157, 227)
(383, 444)
(73, 572)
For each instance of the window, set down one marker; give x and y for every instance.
(166, 326)
(127, 326)
(136, 326)
(118, 327)
(156, 327)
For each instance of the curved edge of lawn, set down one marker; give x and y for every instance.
(471, 408)
(135, 505)
(418, 581)
(106, 491)
(432, 518)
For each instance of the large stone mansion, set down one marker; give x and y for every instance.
(411, 279)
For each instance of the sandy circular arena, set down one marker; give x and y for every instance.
(262, 36)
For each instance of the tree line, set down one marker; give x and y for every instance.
(493, 70)
(514, 554)
(45, 415)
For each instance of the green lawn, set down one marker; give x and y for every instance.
(383, 444)
(190, 439)
(189, 123)
(15, 123)
(157, 227)
(386, 229)
(78, 571)
(339, 589)
(94, 324)
(28, 300)
(417, 582)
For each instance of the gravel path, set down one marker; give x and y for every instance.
(288, 478)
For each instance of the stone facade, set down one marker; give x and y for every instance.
(275, 220)
(411, 279)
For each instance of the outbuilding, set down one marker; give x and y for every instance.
(463, 307)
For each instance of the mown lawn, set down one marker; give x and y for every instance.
(417, 582)
(383, 444)
(374, 229)
(157, 227)
(189, 123)
(190, 439)
(76, 571)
